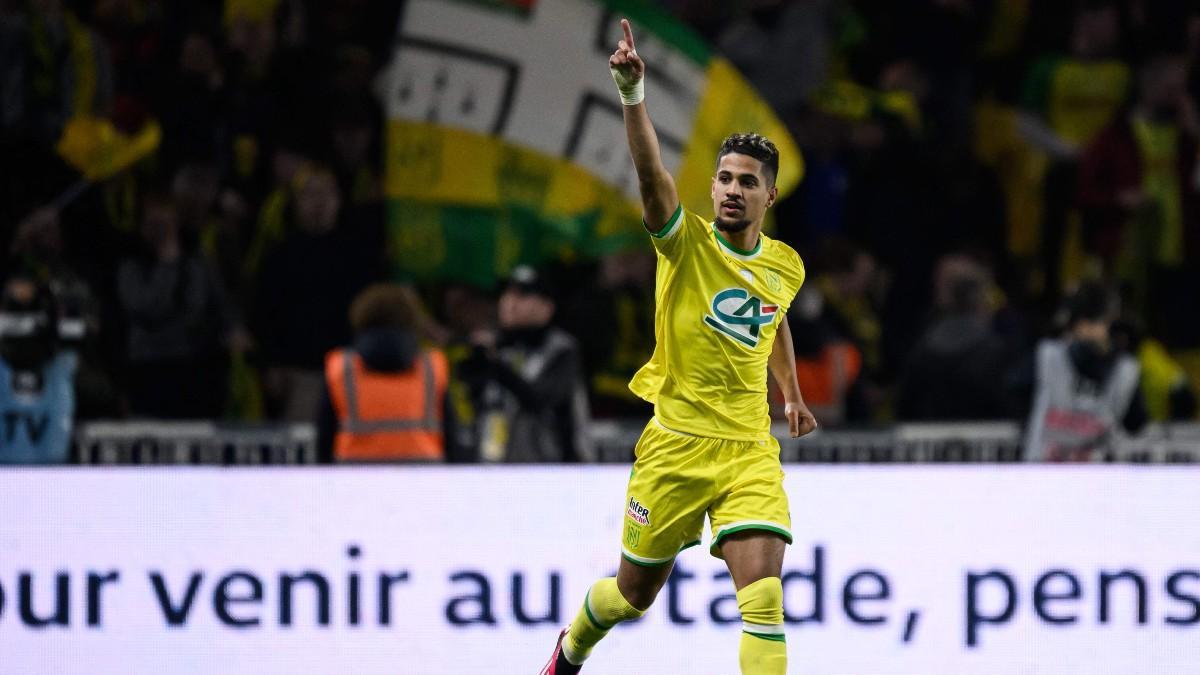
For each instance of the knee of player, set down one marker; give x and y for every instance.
(762, 601)
(641, 595)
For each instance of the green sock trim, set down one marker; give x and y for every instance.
(587, 609)
(764, 636)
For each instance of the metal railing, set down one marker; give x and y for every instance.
(211, 443)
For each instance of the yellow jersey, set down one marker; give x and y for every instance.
(1078, 98)
(717, 310)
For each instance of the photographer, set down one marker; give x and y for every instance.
(37, 378)
(1086, 390)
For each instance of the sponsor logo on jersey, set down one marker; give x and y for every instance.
(637, 512)
(739, 316)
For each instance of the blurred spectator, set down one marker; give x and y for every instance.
(613, 319)
(354, 142)
(37, 251)
(53, 66)
(385, 396)
(784, 48)
(528, 381)
(1141, 200)
(827, 365)
(1165, 386)
(306, 283)
(1068, 101)
(952, 373)
(290, 168)
(210, 219)
(1085, 392)
(470, 316)
(367, 24)
(1070, 98)
(177, 317)
(847, 282)
(195, 115)
(37, 377)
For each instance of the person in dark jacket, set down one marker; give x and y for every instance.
(177, 321)
(953, 371)
(307, 282)
(527, 380)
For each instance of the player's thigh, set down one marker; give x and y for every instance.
(751, 520)
(752, 555)
(669, 490)
(641, 584)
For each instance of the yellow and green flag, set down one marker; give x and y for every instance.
(505, 141)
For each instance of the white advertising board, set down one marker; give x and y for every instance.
(902, 570)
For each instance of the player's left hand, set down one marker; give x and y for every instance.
(800, 419)
(625, 60)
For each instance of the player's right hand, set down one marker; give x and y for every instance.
(625, 61)
(800, 420)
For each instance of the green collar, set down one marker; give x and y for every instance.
(735, 251)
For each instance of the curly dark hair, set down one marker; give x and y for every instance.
(756, 146)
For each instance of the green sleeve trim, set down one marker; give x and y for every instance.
(672, 223)
(787, 536)
(765, 636)
(587, 609)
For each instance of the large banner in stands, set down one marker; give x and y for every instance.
(505, 141)
(915, 570)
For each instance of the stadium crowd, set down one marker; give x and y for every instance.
(970, 166)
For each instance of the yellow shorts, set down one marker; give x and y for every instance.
(677, 478)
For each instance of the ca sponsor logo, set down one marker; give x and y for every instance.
(639, 514)
(739, 316)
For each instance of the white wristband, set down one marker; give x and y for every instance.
(632, 91)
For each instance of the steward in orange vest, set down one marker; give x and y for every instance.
(385, 392)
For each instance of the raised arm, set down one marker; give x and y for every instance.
(659, 199)
(782, 363)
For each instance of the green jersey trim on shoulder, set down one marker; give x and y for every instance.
(670, 228)
(735, 251)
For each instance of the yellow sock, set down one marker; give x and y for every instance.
(603, 608)
(763, 650)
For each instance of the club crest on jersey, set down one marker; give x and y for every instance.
(739, 316)
(637, 512)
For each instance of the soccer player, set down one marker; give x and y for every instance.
(722, 295)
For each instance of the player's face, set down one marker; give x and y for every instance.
(740, 192)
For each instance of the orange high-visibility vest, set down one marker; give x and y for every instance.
(387, 416)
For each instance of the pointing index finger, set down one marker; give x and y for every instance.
(628, 34)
